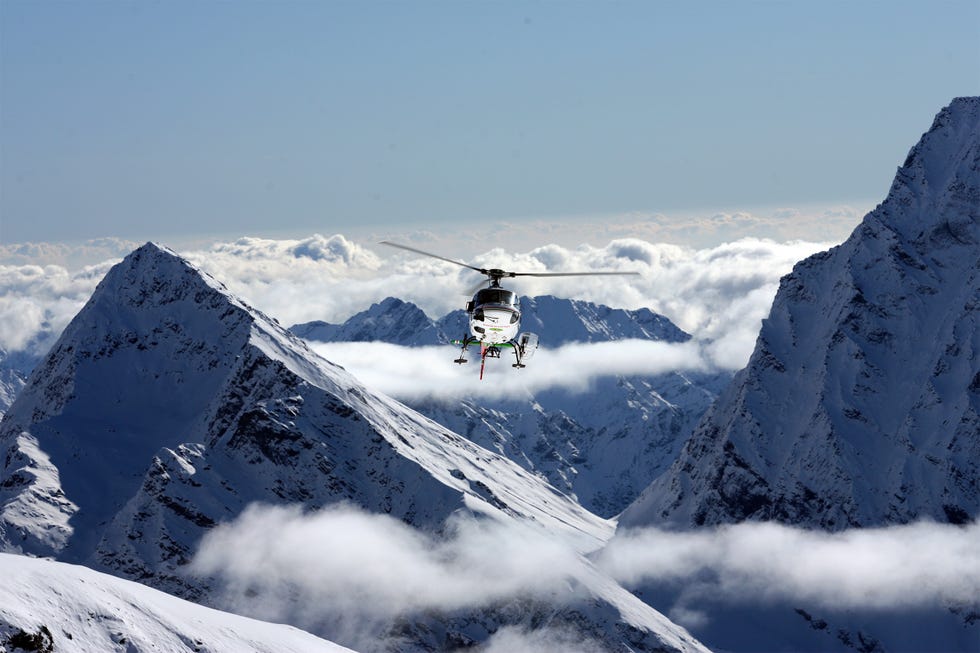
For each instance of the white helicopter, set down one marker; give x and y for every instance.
(494, 312)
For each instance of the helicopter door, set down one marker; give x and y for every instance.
(528, 344)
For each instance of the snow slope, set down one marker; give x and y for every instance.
(55, 606)
(861, 402)
(168, 406)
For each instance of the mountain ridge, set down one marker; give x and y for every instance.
(875, 345)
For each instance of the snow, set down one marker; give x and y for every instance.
(860, 404)
(84, 610)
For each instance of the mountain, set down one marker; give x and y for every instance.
(564, 321)
(391, 320)
(12, 381)
(53, 606)
(604, 446)
(15, 367)
(560, 321)
(168, 406)
(860, 403)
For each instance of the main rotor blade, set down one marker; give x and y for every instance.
(574, 274)
(441, 258)
(478, 286)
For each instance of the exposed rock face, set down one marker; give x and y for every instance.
(860, 403)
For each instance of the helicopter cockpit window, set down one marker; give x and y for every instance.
(496, 296)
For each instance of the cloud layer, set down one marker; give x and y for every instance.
(349, 574)
(916, 565)
(428, 372)
(719, 294)
(37, 302)
(342, 571)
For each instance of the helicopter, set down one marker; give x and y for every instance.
(494, 312)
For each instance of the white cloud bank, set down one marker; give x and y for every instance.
(37, 302)
(342, 571)
(408, 373)
(719, 294)
(349, 574)
(915, 565)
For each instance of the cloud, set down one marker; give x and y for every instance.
(719, 294)
(408, 373)
(69, 255)
(350, 574)
(909, 566)
(511, 639)
(708, 292)
(37, 303)
(692, 229)
(336, 250)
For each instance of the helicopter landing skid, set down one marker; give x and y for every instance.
(486, 351)
(467, 341)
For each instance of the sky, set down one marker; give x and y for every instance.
(184, 120)
(707, 145)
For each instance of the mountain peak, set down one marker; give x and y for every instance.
(861, 403)
(127, 376)
(156, 274)
(938, 178)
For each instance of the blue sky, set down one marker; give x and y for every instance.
(148, 120)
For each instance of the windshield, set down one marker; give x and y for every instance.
(495, 296)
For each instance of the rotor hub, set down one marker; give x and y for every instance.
(495, 275)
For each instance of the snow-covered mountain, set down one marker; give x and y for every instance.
(860, 403)
(15, 367)
(168, 406)
(603, 447)
(391, 320)
(53, 606)
(559, 321)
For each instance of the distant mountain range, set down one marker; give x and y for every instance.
(564, 321)
(604, 446)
